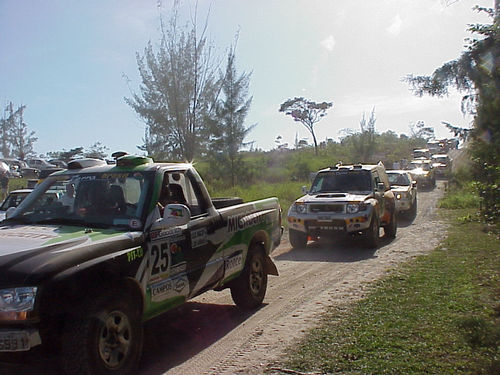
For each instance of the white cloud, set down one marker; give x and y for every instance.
(328, 43)
(395, 27)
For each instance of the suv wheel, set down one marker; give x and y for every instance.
(297, 238)
(372, 238)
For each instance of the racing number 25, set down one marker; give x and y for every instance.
(160, 258)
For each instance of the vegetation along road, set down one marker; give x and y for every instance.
(211, 336)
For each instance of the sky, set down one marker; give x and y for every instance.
(73, 62)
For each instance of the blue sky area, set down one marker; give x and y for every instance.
(66, 61)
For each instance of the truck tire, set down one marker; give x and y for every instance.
(249, 289)
(372, 238)
(297, 238)
(105, 340)
(392, 227)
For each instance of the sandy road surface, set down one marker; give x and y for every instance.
(209, 335)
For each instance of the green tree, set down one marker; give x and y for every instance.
(420, 130)
(363, 143)
(66, 156)
(178, 91)
(19, 138)
(476, 73)
(307, 112)
(96, 151)
(227, 126)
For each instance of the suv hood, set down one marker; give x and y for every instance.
(31, 253)
(334, 197)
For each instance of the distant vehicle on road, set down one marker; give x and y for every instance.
(441, 164)
(421, 170)
(421, 153)
(405, 190)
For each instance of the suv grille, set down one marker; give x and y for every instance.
(327, 208)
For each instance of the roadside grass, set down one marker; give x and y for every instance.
(439, 314)
(463, 197)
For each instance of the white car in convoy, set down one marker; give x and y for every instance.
(405, 191)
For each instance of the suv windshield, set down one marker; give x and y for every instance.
(342, 181)
(400, 179)
(99, 200)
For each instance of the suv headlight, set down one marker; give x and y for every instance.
(301, 208)
(354, 207)
(17, 300)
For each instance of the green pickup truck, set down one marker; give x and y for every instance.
(96, 250)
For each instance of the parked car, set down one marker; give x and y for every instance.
(21, 168)
(422, 171)
(345, 200)
(39, 163)
(441, 164)
(14, 198)
(405, 191)
(82, 273)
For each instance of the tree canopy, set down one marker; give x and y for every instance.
(307, 112)
(476, 73)
(178, 91)
(17, 140)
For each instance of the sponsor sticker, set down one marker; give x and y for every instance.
(233, 263)
(170, 288)
(199, 237)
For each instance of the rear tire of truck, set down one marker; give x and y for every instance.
(297, 238)
(372, 237)
(105, 340)
(249, 289)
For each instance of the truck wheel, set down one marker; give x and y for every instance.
(249, 289)
(297, 238)
(372, 238)
(391, 228)
(106, 340)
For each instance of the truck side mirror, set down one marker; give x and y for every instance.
(174, 215)
(380, 186)
(304, 190)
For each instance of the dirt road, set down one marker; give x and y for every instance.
(211, 336)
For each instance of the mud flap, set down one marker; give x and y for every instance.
(270, 267)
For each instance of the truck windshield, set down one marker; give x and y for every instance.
(103, 200)
(342, 181)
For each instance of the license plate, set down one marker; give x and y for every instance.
(324, 218)
(14, 341)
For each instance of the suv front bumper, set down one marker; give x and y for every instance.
(318, 225)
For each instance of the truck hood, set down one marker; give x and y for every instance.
(31, 253)
(334, 197)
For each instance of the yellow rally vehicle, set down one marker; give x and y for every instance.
(345, 200)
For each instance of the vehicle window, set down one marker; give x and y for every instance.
(97, 199)
(341, 181)
(398, 179)
(178, 188)
(12, 200)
